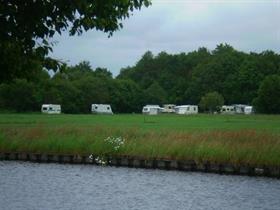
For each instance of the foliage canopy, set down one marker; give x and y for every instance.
(27, 26)
(211, 101)
(268, 100)
(184, 78)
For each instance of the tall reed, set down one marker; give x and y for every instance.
(245, 146)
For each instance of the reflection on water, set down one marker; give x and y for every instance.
(53, 186)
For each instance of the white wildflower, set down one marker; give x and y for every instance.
(100, 161)
(116, 142)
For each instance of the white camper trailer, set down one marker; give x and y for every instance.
(101, 109)
(169, 108)
(186, 109)
(239, 108)
(227, 109)
(51, 108)
(243, 109)
(152, 109)
(248, 110)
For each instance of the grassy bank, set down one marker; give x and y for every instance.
(235, 139)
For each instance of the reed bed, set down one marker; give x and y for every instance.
(243, 146)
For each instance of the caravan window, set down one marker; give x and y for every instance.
(145, 109)
(194, 109)
(108, 108)
(50, 108)
(95, 107)
(188, 108)
(45, 108)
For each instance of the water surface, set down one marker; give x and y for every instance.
(37, 186)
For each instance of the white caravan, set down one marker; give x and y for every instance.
(169, 108)
(227, 109)
(186, 109)
(248, 110)
(101, 109)
(51, 108)
(152, 109)
(243, 109)
(239, 108)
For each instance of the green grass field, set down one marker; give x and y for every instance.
(237, 139)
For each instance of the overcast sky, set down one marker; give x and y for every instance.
(177, 26)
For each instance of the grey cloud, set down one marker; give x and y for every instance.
(178, 26)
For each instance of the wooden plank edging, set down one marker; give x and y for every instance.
(149, 163)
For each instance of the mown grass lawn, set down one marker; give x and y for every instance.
(170, 122)
(237, 139)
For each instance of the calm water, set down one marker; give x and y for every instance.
(53, 186)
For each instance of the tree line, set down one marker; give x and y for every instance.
(228, 75)
(239, 77)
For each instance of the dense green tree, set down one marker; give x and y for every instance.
(154, 94)
(93, 90)
(102, 72)
(268, 100)
(78, 71)
(19, 96)
(211, 102)
(26, 28)
(242, 86)
(14, 64)
(127, 97)
(185, 78)
(145, 70)
(215, 74)
(155, 79)
(51, 95)
(127, 73)
(83, 67)
(89, 86)
(68, 94)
